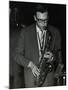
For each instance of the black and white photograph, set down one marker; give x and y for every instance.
(37, 44)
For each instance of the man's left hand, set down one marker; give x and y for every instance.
(49, 56)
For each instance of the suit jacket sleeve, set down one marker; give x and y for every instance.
(20, 50)
(58, 47)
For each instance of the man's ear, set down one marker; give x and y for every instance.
(35, 18)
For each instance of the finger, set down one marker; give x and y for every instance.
(33, 71)
(50, 60)
(34, 74)
(47, 56)
(37, 73)
(38, 70)
(49, 53)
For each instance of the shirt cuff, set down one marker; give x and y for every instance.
(30, 65)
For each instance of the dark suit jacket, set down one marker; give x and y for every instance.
(27, 48)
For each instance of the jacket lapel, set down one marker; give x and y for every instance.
(52, 38)
(34, 44)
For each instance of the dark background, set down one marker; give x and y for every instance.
(21, 16)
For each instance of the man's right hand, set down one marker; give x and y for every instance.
(35, 70)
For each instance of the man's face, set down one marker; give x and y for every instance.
(41, 19)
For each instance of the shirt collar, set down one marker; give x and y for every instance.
(38, 29)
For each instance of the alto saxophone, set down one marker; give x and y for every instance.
(44, 66)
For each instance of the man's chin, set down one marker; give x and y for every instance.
(44, 28)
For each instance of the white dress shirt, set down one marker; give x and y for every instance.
(39, 36)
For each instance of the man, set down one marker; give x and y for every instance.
(28, 51)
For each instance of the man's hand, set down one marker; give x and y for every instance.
(35, 70)
(48, 55)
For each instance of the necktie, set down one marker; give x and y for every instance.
(42, 41)
(42, 45)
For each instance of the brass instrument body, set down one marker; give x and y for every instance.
(44, 66)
